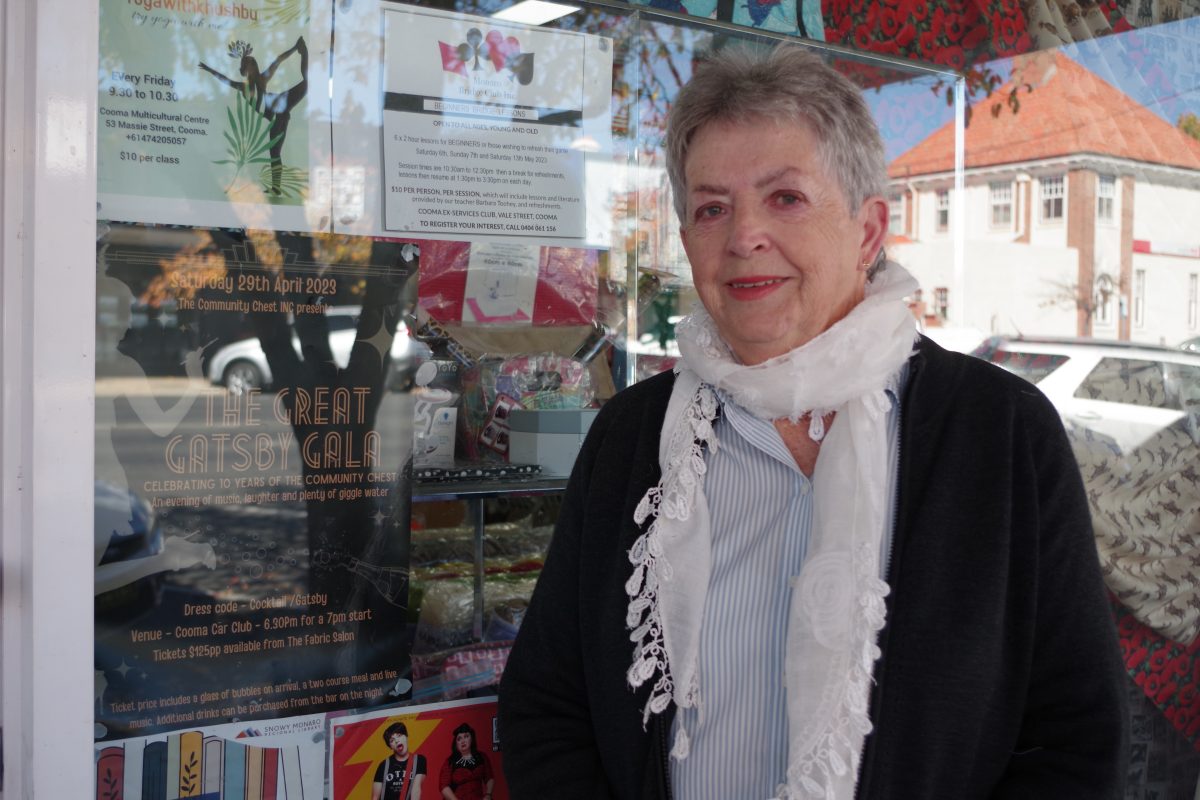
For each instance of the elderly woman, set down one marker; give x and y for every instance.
(825, 558)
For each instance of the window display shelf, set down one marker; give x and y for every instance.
(430, 491)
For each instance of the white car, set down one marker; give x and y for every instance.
(243, 365)
(1123, 391)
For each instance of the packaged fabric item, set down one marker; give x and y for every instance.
(447, 661)
(435, 421)
(496, 388)
(508, 284)
(551, 438)
(451, 675)
(505, 620)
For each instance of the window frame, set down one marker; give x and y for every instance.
(1106, 198)
(1000, 196)
(1052, 192)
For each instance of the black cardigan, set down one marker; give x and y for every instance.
(1000, 675)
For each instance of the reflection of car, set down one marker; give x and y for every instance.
(133, 555)
(1124, 391)
(127, 532)
(961, 340)
(243, 365)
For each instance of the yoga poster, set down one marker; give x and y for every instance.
(209, 112)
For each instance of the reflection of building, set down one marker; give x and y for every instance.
(1079, 212)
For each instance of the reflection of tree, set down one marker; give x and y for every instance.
(353, 537)
(197, 261)
(1189, 123)
(1087, 300)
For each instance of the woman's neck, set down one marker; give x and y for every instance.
(796, 439)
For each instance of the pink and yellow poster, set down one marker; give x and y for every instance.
(416, 752)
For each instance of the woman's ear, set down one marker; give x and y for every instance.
(873, 216)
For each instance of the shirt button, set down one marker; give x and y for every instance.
(805, 486)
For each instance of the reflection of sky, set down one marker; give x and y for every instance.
(1158, 67)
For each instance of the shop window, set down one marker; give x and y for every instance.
(1106, 192)
(1000, 198)
(943, 210)
(1053, 191)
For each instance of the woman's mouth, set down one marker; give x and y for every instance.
(753, 287)
(754, 283)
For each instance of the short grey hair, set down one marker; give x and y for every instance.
(784, 84)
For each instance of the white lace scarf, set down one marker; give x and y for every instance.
(837, 605)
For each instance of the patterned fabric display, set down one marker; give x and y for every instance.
(1166, 672)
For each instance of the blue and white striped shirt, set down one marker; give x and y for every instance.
(760, 533)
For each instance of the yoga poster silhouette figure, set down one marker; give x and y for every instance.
(275, 107)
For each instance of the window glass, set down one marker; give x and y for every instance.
(1126, 380)
(336, 275)
(1076, 175)
(1000, 198)
(1105, 194)
(1052, 198)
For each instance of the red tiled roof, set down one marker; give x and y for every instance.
(1070, 111)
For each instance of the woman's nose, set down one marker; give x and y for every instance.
(747, 232)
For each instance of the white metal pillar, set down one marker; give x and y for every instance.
(47, 342)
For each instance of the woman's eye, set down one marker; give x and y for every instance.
(788, 198)
(708, 212)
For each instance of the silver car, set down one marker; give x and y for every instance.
(242, 365)
(1124, 391)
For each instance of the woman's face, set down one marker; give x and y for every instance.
(462, 742)
(777, 256)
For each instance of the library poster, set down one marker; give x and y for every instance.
(282, 758)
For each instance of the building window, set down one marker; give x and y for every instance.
(1052, 190)
(1000, 196)
(1139, 298)
(1106, 289)
(943, 209)
(896, 213)
(1105, 194)
(1192, 310)
(941, 303)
